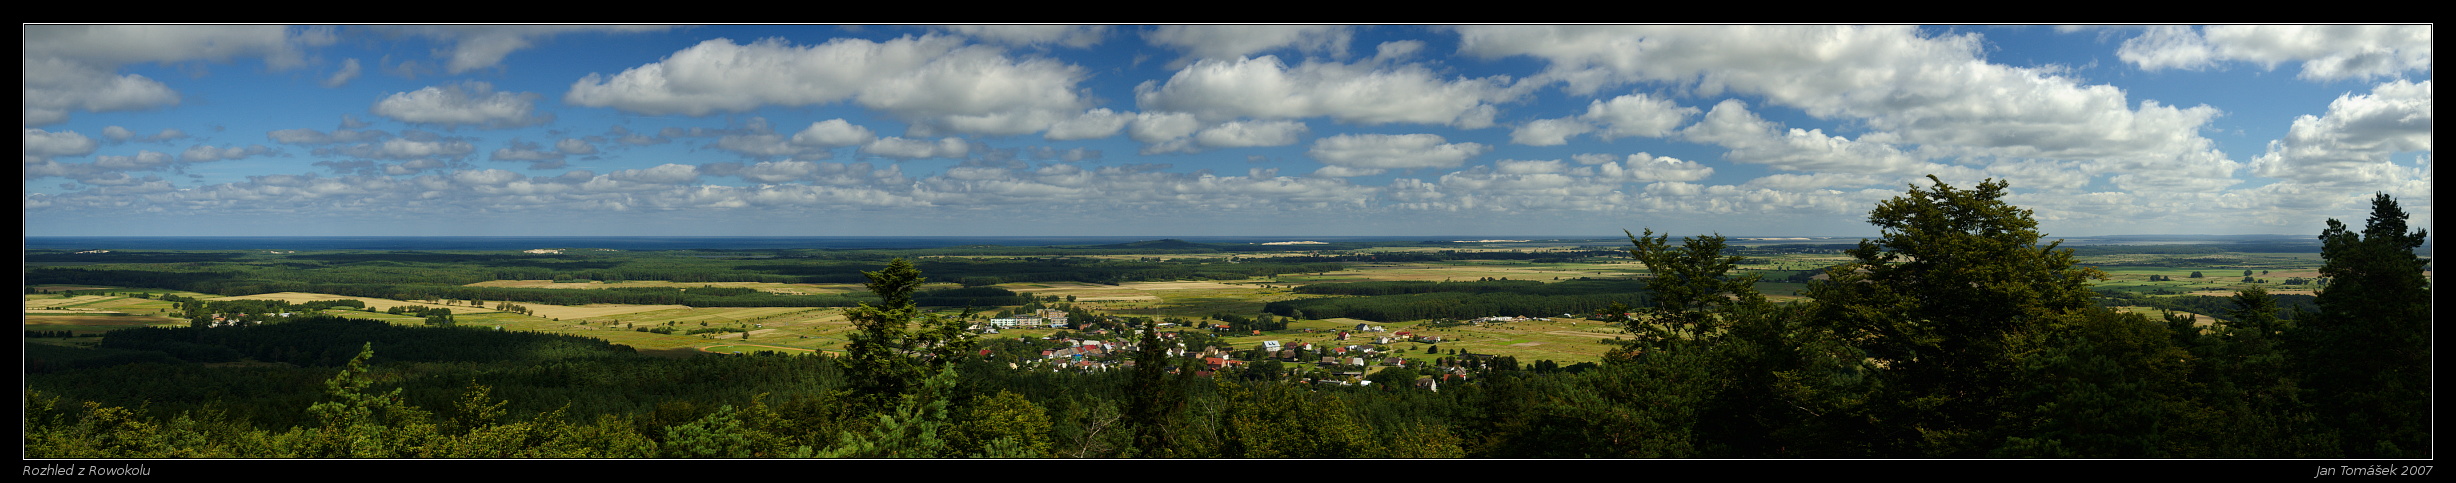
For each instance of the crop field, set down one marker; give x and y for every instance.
(770, 287)
(2221, 274)
(96, 305)
(753, 348)
(1564, 340)
(596, 311)
(1124, 292)
(67, 302)
(94, 324)
(1467, 270)
(375, 304)
(803, 328)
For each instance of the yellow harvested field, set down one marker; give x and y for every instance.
(123, 302)
(1148, 286)
(63, 302)
(594, 310)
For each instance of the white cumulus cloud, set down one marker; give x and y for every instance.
(2353, 141)
(1386, 151)
(834, 133)
(1233, 41)
(933, 79)
(480, 46)
(2327, 52)
(897, 147)
(73, 67)
(1251, 134)
(471, 103)
(39, 144)
(1265, 88)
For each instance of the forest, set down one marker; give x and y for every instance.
(1957, 333)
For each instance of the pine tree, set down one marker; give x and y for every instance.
(886, 357)
(360, 423)
(877, 360)
(1154, 399)
(2250, 389)
(2366, 355)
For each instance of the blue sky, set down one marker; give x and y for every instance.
(1263, 130)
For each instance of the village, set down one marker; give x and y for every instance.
(1347, 357)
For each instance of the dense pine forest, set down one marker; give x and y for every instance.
(1958, 333)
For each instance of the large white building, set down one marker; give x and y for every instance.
(1039, 318)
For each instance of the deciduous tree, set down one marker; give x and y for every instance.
(1691, 286)
(1955, 275)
